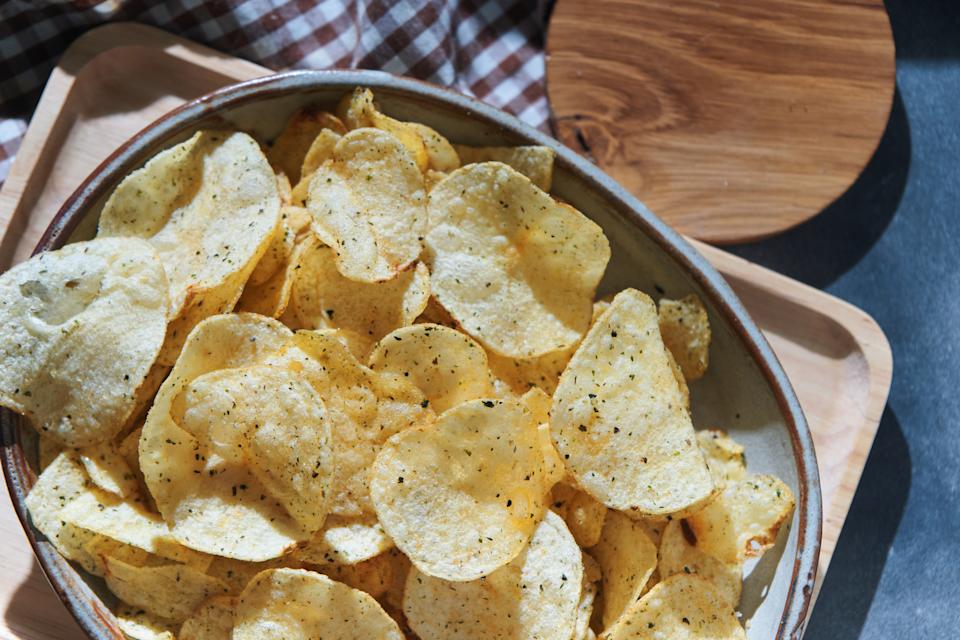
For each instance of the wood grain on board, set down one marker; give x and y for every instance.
(835, 354)
(731, 120)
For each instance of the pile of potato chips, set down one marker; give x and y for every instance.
(355, 384)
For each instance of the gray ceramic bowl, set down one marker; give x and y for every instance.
(745, 391)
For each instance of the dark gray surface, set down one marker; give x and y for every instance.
(890, 246)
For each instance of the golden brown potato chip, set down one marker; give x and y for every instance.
(685, 328)
(61, 482)
(462, 497)
(744, 520)
(170, 591)
(80, 329)
(289, 149)
(209, 206)
(432, 178)
(514, 268)
(682, 607)
(109, 470)
(537, 595)
(212, 620)
(359, 110)
(140, 625)
(324, 299)
(285, 189)
(588, 596)
(445, 364)
(533, 161)
(582, 513)
(441, 155)
(281, 604)
(373, 576)
(277, 254)
(237, 574)
(627, 558)
(47, 450)
(724, 456)
(679, 553)
(368, 205)
(618, 418)
(345, 541)
(434, 313)
(523, 374)
(320, 151)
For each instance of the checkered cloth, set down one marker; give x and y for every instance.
(490, 49)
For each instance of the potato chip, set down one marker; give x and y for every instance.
(618, 418)
(47, 451)
(434, 313)
(534, 161)
(685, 328)
(170, 591)
(744, 520)
(320, 151)
(345, 541)
(272, 298)
(432, 178)
(441, 155)
(445, 364)
(523, 374)
(373, 576)
(627, 558)
(456, 516)
(537, 595)
(724, 456)
(359, 110)
(679, 553)
(588, 596)
(237, 574)
(140, 625)
(209, 206)
(60, 483)
(108, 469)
(583, 514)
(281, 604)
(393, 597)
(277, 254)
(324, 299)
(368, 205)
(212, 620)
(289, 149)
(285, 189)
(81, 327)
(514, 268)
(682, 607)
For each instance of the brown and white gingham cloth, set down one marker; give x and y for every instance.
(490, 49)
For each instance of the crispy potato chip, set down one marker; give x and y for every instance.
(237, 574)
(441, 155)
(368, 205)
(140, 625)
(680, 554)
(285, 189)
(393, 597)
(456, 516)
(272, 298)
(744, 520)
(320, 151)
(277, 253)
(109, 470)
(99, 548)
(533, 161)
(373, 576)
(281, 604)
(682, 607)
(324, 299)
(345, 541)
(537, 595)
(60, 483)
(170, 591)
(538, 403)
(288, 151)
(685, 328)
(588, 596)
(627, 558)
(432, 178)
(583, 514)
(434, 313)
(47, 451)
(724, 456)
(359, 110)
(445, 364)
(517, 270)
(209, 206)
(212, 620)
(553, 469)
(524, 374)
(618, 418)
(298, 219)
(653, 527)
(81, 327)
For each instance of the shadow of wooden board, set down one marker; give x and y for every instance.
(733, 121)
(835, 355)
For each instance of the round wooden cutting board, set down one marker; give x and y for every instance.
(731, 120)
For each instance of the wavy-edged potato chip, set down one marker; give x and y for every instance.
(212, 620)
(288, 151)
(368, 204)
(210, 206)
(109, 470)
(514, 268)
(685, 328)
(140, 625)
(170, 591)
(533, 161)
(272, 298)
(448, 366)
(80, 329)
(322, 298)
(627, 558)
(583, 514)
(463, 496)
(359, 110)
(345, 541)
(535, 596)
(724, 456)
(62, 482)
(441, 155)
(744, 520)
(618, 418)
(682, 607)
(282, 604)
(679, 553)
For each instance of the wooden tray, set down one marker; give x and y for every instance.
(116, 79)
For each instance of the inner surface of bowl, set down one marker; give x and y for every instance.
(745, 392)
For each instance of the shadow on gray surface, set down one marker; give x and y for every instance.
(871, 525)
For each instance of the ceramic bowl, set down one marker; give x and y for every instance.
(745, 390)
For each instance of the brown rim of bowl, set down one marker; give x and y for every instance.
(90, 614)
